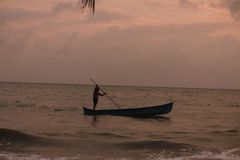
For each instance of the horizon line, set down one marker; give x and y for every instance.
(119, 85)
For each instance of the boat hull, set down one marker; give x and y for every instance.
(133, 112)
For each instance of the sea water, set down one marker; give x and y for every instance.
(46, 122)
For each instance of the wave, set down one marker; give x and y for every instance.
(21, 104)
(160, 145)
(59, 109)
(235, 105)
(226, 132)
(111, 135)
(9, 136)
(17, 156)
(206, 155)
(232, 154)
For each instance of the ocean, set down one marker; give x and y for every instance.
(46, 122)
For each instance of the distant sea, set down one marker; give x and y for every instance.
(46, 122)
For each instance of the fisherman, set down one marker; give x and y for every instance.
(96, 94)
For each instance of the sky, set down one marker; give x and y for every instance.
(174, 43)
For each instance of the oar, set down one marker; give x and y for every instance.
(105, 94)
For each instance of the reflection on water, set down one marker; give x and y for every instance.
(155, 117)
(94, 121)
(203, 119)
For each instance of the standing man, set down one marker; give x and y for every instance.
(96, 94)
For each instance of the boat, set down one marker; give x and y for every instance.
(133, 112)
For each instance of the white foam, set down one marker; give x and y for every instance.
(14, 156)
(233, 154)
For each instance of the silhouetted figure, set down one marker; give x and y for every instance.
(96, 94)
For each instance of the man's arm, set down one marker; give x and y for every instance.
(101, 94)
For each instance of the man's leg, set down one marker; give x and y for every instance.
(95, 101)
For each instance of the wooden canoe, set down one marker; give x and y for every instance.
(133, 112)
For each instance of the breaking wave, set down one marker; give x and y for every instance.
(232, 154)
(160, 145)
(9, 136)
(14, 156)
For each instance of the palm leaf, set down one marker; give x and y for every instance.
(84, 4)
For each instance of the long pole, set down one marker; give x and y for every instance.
(105, 94)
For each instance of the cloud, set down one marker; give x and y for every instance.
(187, 55)
(170, 55)
(14, 14)
(189, 3)
(105, 16)
(17, 14)
(63, 6)
(13, 45)
(58, 48)
(198, 4)
(234, 8)
(153, 3)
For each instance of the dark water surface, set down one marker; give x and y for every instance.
(46, 122)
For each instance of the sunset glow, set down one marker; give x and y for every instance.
(177, 43)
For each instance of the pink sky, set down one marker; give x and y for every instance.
(175, 43)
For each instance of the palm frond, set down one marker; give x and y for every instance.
(84, 4)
